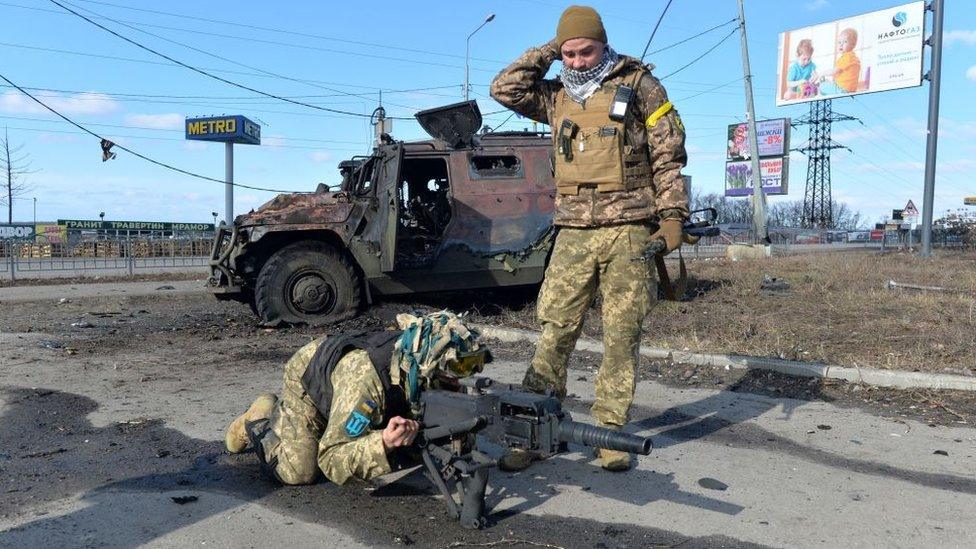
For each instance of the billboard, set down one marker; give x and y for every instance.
(876, 51)
(227, 129)
(50, 234)
(773, 136)
(16, 231)
(773, 174)
(87, 224)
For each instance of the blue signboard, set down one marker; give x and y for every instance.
(226, 129)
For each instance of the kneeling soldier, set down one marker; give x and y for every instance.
(344, 405)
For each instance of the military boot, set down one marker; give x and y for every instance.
(236, 437)
(517, 459)
(613, 460)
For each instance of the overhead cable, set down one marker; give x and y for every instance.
(702, 33)
(711, 90)
(132, 152)
(289, 32)
(653, 32)
(695, 60)
(148, 128)
(231, 61)
(210, 75)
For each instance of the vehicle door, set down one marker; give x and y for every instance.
(388, 204)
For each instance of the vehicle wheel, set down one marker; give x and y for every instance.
(307, 282)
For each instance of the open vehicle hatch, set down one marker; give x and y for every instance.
(456, 124)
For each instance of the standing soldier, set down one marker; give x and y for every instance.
(619, 149)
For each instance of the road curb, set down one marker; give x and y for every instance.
(871, 376)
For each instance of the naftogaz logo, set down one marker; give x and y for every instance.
(899, 19)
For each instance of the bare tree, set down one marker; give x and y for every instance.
(15, 166)
(781, 214)
(729, 210)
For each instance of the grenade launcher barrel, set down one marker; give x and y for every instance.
(600, 437)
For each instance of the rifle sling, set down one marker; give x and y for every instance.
(675, 291)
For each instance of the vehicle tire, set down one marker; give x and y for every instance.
(308, 282)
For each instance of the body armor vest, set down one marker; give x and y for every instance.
(598, 152)
(317, 380)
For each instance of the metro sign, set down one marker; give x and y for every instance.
(226, 129)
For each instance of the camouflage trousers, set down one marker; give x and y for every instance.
(287, 442)
(584, 261)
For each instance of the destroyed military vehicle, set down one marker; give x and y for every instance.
(460, 211)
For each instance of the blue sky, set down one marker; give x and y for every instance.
(339, 55)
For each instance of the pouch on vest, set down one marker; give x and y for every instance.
(600, 155)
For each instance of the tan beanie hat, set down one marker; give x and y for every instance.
(580, 22)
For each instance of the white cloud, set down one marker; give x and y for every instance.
(195, 145)
(57, 138)
(90, 103)
(897, 167)
(273, 141)
(169, 121)
(967, 37)
(957, 165)
(816, 5)
(320, 156)
(971, 73)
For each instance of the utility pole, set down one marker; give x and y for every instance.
(759, 221)
(931, 143)
(467, 55)
(229, 183)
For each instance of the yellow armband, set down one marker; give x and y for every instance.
(660, 112)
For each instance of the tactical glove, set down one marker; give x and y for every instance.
(669, 231)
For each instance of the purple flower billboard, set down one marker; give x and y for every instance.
(773, 174)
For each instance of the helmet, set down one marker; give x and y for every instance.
(435, 344)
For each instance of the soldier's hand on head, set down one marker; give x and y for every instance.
(399, 432)
(553, 46)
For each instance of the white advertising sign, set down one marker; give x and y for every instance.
(877, 51)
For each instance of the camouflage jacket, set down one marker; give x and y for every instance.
(341, 456)
(522, 87)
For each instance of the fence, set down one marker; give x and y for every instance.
(25, 259)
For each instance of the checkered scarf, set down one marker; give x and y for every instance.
(581, 84)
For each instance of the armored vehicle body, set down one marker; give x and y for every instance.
(460, 211)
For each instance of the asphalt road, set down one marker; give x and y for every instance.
(96, 443)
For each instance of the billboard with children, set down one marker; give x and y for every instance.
(876, 51)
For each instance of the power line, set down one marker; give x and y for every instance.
(253, 97)
(695, 60)
(289, 32)
(131, 60)
(702, 33)
(274, 30)
(883, 121)
(132, 152)
(148, 128)
(891, 142)
(711, 90)
(157, 138)
(656, 25)
(504, 121)
(222, 58)
(210, 75)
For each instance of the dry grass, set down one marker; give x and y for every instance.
(838, 310)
